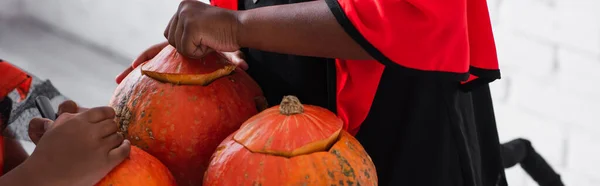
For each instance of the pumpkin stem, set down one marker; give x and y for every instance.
(290, 105)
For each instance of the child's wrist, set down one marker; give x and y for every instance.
(37, 173)
(25, 174)
(240, 30)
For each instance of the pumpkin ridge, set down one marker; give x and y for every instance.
(315, 119)
(273, 134)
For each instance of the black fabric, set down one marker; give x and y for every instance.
(521, 151)
(514, 152)
(491, 168)
(485, 76)
(5, 109)
(426, 131)
(486, 73)
(409, 132)
(311, 79)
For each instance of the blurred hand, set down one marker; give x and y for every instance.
(38, 126)
(236, 58)
(197, 28)
(79, 149)
(145, 56)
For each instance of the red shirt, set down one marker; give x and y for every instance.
(429, 36)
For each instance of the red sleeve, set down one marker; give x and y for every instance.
(227, 4)
(427, 35)
(483, 58)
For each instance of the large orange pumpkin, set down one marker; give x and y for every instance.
(180, 109)
(139, 169)
(292, 144)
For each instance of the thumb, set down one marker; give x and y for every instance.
(236, 58)
(68, 106)
(37, 128)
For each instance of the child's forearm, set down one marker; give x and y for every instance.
(14, 154)
(308, 29)
(24, 175)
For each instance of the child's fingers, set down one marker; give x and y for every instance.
(106, 128)
(172, 30)
(98, 114)
(117, 155)
(148, 55)
(123, 74)
(192, 48)
(166, 33)
(82, 109)
(68, 106)
(236, 58)
(113, 141)
(178, 32)
(37, 128)
(145, 56)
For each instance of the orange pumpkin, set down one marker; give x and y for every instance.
(140, 169)
(180, 109)
(292, 144)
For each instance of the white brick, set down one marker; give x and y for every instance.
(544, 98)
(546, 136)
(519, 55)
(515, 176)
(579, 75)
(584, 148)
(579, 179)
(533, 18)
(500, 90)
(579, 25)
(494, 9)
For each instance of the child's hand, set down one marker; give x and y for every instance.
(38, 126)
(79, 149)
(237, 58)
(197, 28)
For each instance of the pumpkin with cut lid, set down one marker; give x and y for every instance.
(291, 144)
(179, 109)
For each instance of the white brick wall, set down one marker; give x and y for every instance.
(550, 57)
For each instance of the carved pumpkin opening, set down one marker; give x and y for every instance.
(186, 73)
(276, 131)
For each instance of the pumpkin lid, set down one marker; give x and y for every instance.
(290, 129)
(171, 67)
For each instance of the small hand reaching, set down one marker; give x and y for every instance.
(78, 148)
